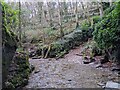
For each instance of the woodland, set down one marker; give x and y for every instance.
(60, 44)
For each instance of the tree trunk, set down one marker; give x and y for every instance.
(40, 5)
(50, 15)
(60, 20)
(76, 13)
(110, 2)
(20, 31)
(100, 9)
(88, 14)
(84, 13)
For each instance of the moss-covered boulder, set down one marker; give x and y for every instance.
(9, 46)
(19, 71)
(62, 46)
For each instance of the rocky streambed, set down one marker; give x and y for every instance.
(68, 72)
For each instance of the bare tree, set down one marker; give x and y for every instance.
(76, 15)
(20, 31)
(87, 12)
(40, 5)
(110, 2)
(60, 20)
(49, 5)
(83, 10)
(100, 8)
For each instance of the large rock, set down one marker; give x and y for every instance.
(15, 66)
(19, 71)
(9, 46)
(112, 85)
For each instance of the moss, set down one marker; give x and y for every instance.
(62, 46)
(107, 31)
(19, 76)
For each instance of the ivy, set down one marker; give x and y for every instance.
(10, 17)
(9, 22)
(107, 32)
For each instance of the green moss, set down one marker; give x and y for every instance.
(62, 46)
(19, 76)
(107, 32)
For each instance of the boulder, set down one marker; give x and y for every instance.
(112, 85)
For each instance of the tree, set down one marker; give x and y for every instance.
(76, 15)
(83, 10)
(20, 30)
(49, 4)
(60, 19)
(107, 32)
(110, 2)
(40, 5)
(100, 8)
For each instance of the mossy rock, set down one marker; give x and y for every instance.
(62, 46)
(19, 77)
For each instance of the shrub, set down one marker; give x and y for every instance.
(85, 25)
(107, 32)
(96, 19)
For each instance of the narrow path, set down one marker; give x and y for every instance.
(67, 72)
